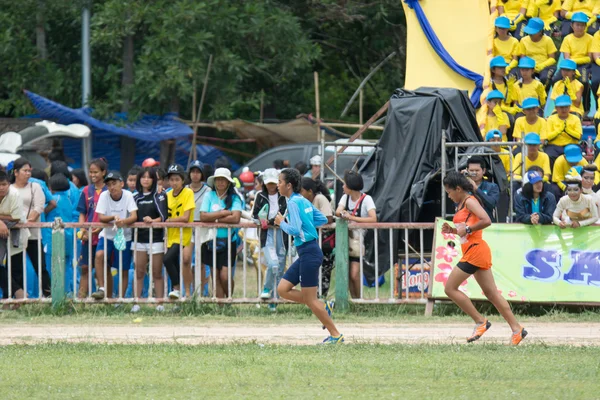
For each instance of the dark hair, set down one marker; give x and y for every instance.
(455, 179)
(590, 168)
(162, 174)
(135, 170)
(293, 177)
(60, 167)
(260, 179)
(81, 177)
(477, 160)
(153, 175)
(208, 171)
(222, 162)
(201, 173)
(3, 176)
(353, 180)
(101, 163)
(316, 186)
(39, 174)
(17, 165)
(301, 167)
(527, 189)
(59, 183)
(278, 164)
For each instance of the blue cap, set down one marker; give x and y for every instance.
(580, 17)
(502, 22)
(532, 138)
(498, 61)
(496, 94)
(534, 177)
(493, 134)
(530, 102)
(535, 25)
(563, 101)
(567, 64)
(196, 164)
(573, 153)
(527, 62)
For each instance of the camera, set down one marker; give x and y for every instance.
(468, 174)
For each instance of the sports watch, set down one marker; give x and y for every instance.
(468, 230)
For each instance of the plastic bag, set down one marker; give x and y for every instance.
(119, 240)
(263, 216)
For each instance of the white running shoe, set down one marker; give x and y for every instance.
(136, 308)
(175, 295)
(160, 308)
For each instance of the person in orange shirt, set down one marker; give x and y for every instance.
(469, 222)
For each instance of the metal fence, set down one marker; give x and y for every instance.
(412, 252)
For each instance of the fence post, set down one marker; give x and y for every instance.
(341, 264)
(58, 263)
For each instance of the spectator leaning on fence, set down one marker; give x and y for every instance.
(33, 199)
(152, 207)
(359, 207)
(118, 208)
(222, 205)
(575, 209)
(534, 204)
(200, 189)
(589, 177)
(273, 242)
(11, 213)
(317, 193)
(87, 213)
(181, 207)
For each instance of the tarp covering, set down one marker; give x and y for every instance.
(148, 128)
(270, 135)
(400, 174)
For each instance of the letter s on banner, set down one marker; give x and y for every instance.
(544, 266)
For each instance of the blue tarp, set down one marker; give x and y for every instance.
(148, 132)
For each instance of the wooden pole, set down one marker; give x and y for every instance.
(262, 106)
(318, 106)
(193, 153)
(360, 107)
(194, 102)
(359, 132)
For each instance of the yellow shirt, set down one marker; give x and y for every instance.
(595, 47)
(543, 10)
(561, 134)
(559, 89)
(561, 167)
(539, 51)
(491, 122)
(534, 89)
(513, 7)
(585, 6)
(511, 96)
(178, 205)
(506, 48)
(578, 48)
(542, 160)
(522, 128)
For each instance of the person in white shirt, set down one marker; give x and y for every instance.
(356, 206)
(575, 209)
(116, 206)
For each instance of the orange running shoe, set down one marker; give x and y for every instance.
(518, 337)
(479, 331)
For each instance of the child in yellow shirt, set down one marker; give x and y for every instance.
(529, 87)
(504, 44)
(541, 48)
(564, 129)
(588, 7)
(577, 47)
(534, 157)
(503, 152)
(530, 122)
(547, 10)
(507, 86)
(569, 86)
(491, 116)
(515, 11)
(595, 65)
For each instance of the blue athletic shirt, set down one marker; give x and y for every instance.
(303, 220)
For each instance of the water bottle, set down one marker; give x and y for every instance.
(589, 151)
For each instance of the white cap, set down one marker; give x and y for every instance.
(220, 173)
(316, 160)
(270, 175)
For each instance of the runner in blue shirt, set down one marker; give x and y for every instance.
(303, 219)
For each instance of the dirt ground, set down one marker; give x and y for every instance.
(137, 333)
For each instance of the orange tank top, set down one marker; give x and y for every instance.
(475, 250)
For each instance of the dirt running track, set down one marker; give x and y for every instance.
(548, 333)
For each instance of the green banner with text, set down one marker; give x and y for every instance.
(530, 263)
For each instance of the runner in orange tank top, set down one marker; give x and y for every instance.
(470, 221)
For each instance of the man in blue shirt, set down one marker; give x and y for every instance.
(488, 192)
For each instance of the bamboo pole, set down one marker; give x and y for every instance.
(341, 125)
(193, 153)
(360, 107)
(318, 106)
(262, 105)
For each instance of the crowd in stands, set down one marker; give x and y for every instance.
(149, 194)
(544, 61)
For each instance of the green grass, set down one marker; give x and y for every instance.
(60, 371)
(286, 314)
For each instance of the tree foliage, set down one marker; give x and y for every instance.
(271, 46)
